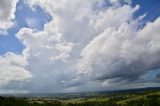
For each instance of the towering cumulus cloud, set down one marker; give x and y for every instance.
(88, 45)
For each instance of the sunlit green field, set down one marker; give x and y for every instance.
(146, 98)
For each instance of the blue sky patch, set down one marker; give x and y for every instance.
(25, 17)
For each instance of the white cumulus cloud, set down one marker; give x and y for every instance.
(7, 14)
(13, 69)
(88, 46)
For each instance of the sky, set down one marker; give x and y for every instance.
(57, 46)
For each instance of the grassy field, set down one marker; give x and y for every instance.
(127, 99)
(137, 98)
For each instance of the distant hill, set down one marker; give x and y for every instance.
(84, 94)
(130, 97)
